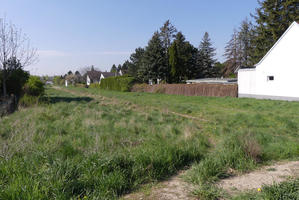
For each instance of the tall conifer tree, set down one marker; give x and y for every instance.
(154, 59)
(206, 55)
(273, 17)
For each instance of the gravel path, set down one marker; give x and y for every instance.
(265, 176)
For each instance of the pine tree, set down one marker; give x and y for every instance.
(119, 68)
(154, 59)
(173, 62)
(125, 67)
(206, 60)
(231, 54)
(136, 61)
(272, 19)
(182, 59)
(113, 68)
(167, 34)
(245, 37)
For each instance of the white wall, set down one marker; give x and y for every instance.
(282, 62)
(246, 81)
(87, 80)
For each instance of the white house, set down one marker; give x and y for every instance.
(94, 76)
(276, 76)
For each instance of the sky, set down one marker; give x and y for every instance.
(73, 34)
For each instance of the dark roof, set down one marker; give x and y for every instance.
(108, 74)
(94, 75)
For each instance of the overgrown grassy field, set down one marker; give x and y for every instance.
(96, 144)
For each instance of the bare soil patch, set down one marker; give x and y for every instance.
(174, 188)
(267, 175)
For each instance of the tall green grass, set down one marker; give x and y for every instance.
(75, 146)
(72, 146)
(245, 133)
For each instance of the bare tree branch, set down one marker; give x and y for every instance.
(14, 45)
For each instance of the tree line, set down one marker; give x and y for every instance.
(169, 57)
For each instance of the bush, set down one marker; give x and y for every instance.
(94, 85)
(140, 87)
(80, 85)
(34, 86)
(58, 80)
(119, 83)
(15, 82)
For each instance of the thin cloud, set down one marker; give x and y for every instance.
(112, 53)
(56, 53)
(52, 53)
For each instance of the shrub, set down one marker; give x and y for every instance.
(94, 85)
(58, 80)
(15, 82)
(81, 85)
(140, 87)
(119, 83)
(34, 86)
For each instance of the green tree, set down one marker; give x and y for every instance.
(113, 68)
(155, 65)
(272, 18)
(245, 37)
(119, 67)
(182, 59)
(15, 51)
(125, 67)
(206, 60)
(136, 63)
(167, 34)
(174, 63)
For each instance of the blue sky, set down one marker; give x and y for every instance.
(72, 34)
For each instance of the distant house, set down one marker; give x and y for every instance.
(276, 75)
(94, 76)
(107, 74)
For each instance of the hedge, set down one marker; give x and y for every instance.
(119, 83)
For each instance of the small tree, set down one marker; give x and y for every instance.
(14, 45)
(113, 68)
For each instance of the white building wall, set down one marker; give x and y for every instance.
(246, 81)
(87, 80)
(281, 62)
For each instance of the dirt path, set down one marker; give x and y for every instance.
(173, 189)
(265, 176)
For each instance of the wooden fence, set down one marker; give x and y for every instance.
(198, 89)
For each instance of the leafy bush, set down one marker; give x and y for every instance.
(94, 85)
(58, 80)
(119, 83)
(28, 100)
(34, 86)
(15, 82)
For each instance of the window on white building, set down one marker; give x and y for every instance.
(270, 78)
